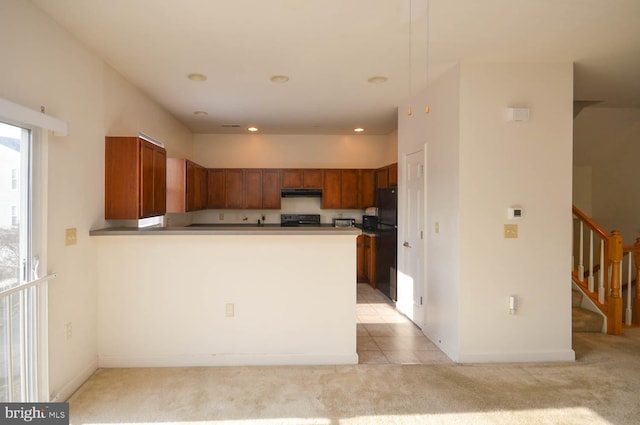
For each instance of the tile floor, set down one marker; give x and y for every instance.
(386, 336)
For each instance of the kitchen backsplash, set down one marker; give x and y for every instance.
(289, 206)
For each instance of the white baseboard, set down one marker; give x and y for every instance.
(63, 394)
(525, 357)
(228, 360)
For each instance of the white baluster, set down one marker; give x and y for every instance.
(627, 319)
(601, 274)
(581, 255)
(590, 279)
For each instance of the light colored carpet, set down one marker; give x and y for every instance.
(601, 387)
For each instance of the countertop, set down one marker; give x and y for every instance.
(229, 229)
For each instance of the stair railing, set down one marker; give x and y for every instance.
(630, 280)
(604, 253)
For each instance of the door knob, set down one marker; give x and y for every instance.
(406, 244)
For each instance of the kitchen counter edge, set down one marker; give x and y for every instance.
(225, 230)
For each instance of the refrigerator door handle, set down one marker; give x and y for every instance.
(406, 244)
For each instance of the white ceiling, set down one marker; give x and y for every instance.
(329, 48)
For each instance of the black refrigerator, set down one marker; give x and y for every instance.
(387, 241)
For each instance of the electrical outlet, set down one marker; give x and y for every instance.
(230, 310)
(510, 231)
(68, 329)
(221, 216)
(70, 237)
(437, 227)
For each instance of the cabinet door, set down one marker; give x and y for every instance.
(234, 188)
(331, 189)
(271, 196)
(370, 258)
(191, 186)
(349, 198)
(253, 189)
(201, 187)
(367, 188)
(159, 181)
(361, 270)
(216, 184)
(393, 174)
(291, 179)
(312, 179)
(122, 178)
(153, 180)
(382, 178)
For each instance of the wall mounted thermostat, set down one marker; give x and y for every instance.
(515, 213)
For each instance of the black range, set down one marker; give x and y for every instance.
(300, 219)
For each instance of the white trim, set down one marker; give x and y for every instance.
(524, 357)
(203, 360)
(67, 390)
(150, 139)
(28, 116)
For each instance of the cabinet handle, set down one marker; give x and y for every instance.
(406, 244)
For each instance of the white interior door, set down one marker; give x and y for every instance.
(413, 244)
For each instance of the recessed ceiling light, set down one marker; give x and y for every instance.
(197, 77)
(279, 79)
(379, 79)
(358, 130)
(254, 129)
(201, 113)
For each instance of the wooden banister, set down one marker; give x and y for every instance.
(592, 224)
(614, 313)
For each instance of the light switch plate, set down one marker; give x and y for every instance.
(510, 231)
(70, 237)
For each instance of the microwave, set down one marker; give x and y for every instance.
(344, 222)
(369, 222)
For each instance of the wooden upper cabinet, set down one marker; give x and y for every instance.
(271, 197)
(332, 189)
(393, 174)
(349, 195)
(294, 178)
(252, 189)
(186, 186)
(311, 179)
(367, 188)
(234, 188)
(135, 178)
(382, 177)
(216, 188)
(291, 178)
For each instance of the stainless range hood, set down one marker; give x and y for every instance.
(302, 193)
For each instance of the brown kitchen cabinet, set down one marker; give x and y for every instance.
(135, 178)
(361, 273)
(216, 188)
(234, 188)
(340, 189)
(262, 189)
(271, 197)
(370, 259)
(393, 174)
(186, 186)
(387, 176)
(366, 259)
(297, 178)
(367, 188)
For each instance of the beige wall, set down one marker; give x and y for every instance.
(294, 151)
(129, 111)
(478, 165)
(44, 65)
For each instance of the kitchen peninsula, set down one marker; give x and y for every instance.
(226, 295)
